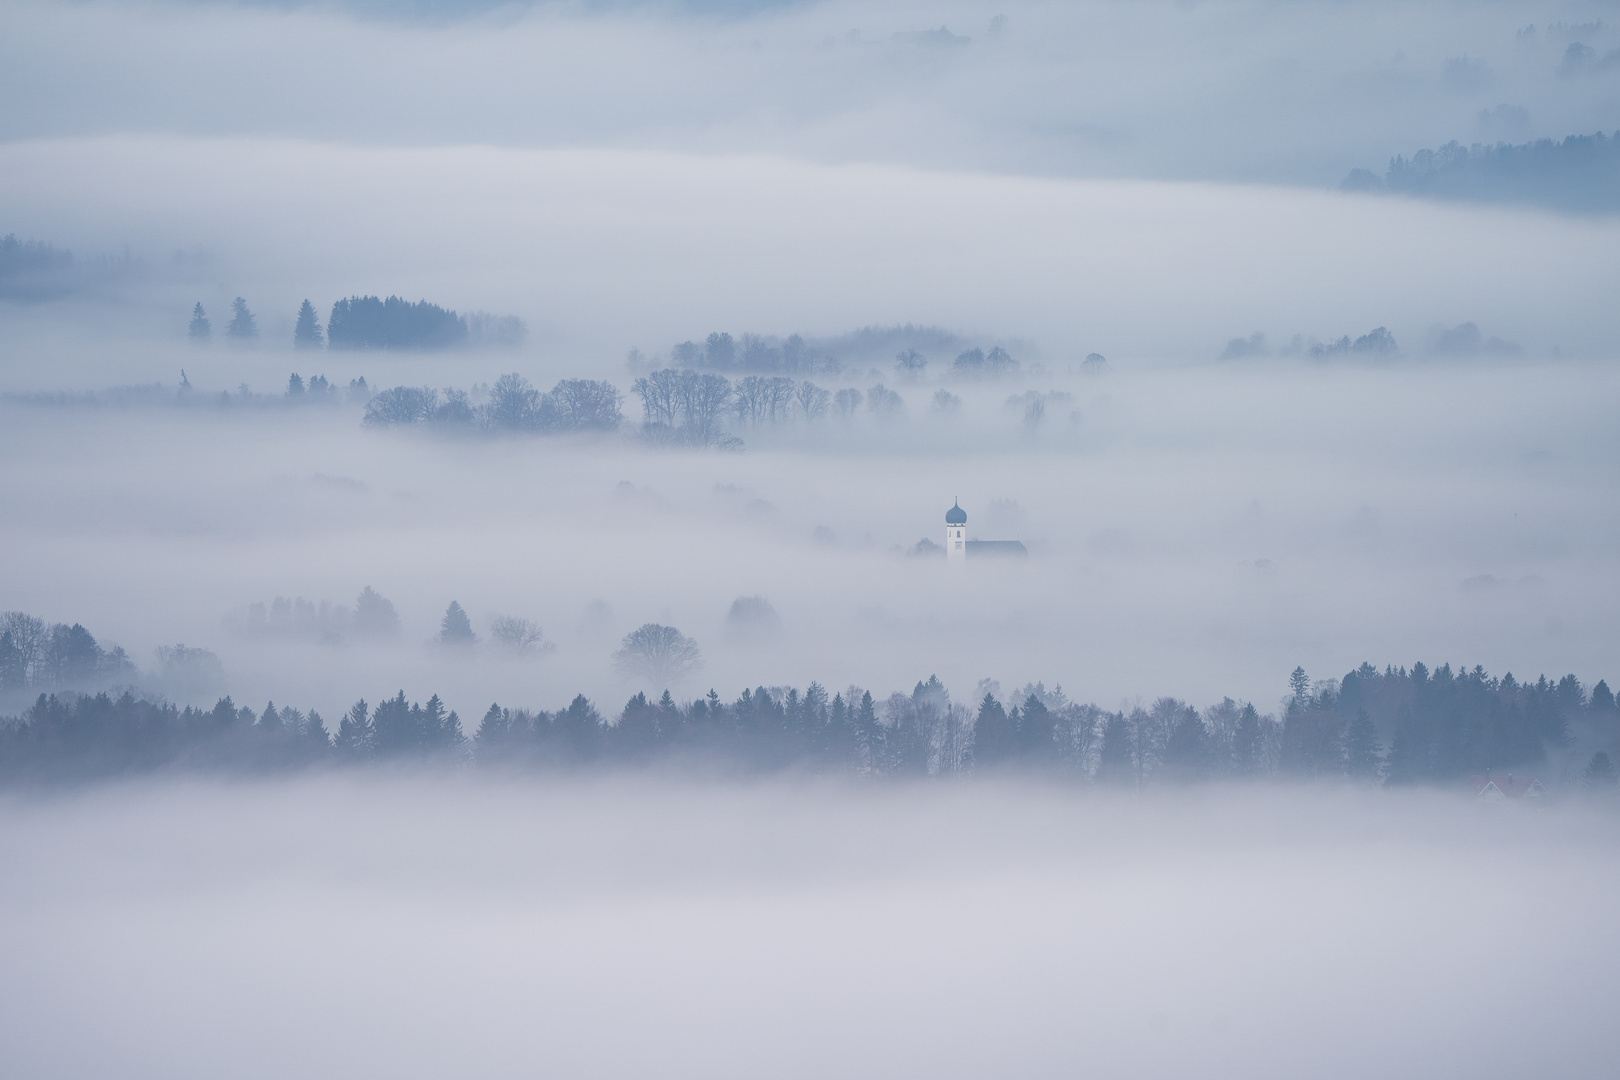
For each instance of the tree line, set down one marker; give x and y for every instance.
(761, 354)
(1580, 172)
(34, 653)
(371, 322)
(512, 404)
(1397, 726)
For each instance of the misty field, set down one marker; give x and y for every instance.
(809, 538)
(405, 926)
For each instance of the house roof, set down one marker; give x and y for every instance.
(1506, 787)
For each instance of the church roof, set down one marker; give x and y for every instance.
(956, 515)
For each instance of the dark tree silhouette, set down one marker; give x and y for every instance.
(242, 327)
(995, 736)
(455, 628)
(307, 331)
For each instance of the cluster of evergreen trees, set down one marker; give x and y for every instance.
(34, 270)
(1438, 726)
(242, 328)
(367, 322)
(1582, 172)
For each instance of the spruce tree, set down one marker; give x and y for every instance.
(307, 332)
(242, 326)
(1600, 771)
(1115, 762)
(1187, 751)
(868, 732)
(354, 731)
(1362, 753)
(456, 628)
(1248, 743)
(314, 735)
(995, 736)
(1037, 730)
(201, 328)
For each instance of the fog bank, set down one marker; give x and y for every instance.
(604, 250)
(629, 926)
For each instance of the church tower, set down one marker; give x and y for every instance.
(956, 536)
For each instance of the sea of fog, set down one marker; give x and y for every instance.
(631, 926)
(1196, 530)
(602, 249)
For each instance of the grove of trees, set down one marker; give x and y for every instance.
(512, 404)
(368, 322)
(1580, 172)
(1396, 726)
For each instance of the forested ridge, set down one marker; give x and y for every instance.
(1395, 726)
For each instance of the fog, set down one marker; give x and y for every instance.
(1196, 531)
(631, 926)
(700, 318)
(1250, 91)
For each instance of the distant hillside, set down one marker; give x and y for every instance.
(1581, 173)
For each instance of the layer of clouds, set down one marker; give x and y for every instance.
(1291, 92)
(1196, 531)
(629, 927)
(603, 250)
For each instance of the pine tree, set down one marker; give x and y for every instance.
(201, 328)
(1300, 683)
(314, 735)
(493, 729)
(1187, 751)
(1362, 753)
(1248, 743)
(995, 736)
(456, 628)
(437, 728)
(13, 666)
(1600, 771)
(1115, 761)
(1602, 699)
(1037, 730)
(307, 332)
(374, 614)
(391, 726)
(354, 731)
(868, 733)
(242, 326)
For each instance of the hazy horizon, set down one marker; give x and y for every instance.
(398, 397)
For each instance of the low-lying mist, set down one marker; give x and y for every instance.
(635, 925)
(1196, 531)
(604, 250)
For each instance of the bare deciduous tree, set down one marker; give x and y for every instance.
(660, 654)
(811, 399)
(518, 635)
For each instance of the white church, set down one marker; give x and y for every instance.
(958, 547)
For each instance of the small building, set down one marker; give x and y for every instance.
(958, 547)
(1497, 788)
